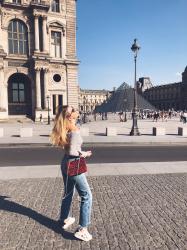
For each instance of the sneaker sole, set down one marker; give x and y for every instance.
(66, 226)
(81, 238)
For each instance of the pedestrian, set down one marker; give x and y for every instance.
(169, 114)
(166, 116)
(95, 116)
(184, 117)
(121, 116)
(41, 119)
(66, 134)
(155, 116)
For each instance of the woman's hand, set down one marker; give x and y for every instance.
(86, 154)
(89, 153)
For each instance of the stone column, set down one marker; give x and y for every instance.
(38, 88)
(45, 87)
(57, 102)
(44, 31)
(2, 89)
(36, 32)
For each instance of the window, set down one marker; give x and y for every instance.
(16, 1)
(56, 44)
(17, 37)
(55, 7)
(57, 78)
(18, 92)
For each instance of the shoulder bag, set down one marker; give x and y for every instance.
(76, 166)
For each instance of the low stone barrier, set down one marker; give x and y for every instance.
(110, 131)
(159, 131)
(1, 132)
(182, 131)
(84, 131)
(26, 132)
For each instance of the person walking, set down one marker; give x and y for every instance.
(66, 134)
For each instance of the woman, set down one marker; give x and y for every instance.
(67, 135)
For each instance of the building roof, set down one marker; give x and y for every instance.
(165, 85)
(89, 91)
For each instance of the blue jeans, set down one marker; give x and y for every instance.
(78, 182)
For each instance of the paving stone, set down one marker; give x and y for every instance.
(129, 212)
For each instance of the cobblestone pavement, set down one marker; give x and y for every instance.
(129, 212)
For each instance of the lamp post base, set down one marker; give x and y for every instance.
(48, 120)
(134, 130)
(125, 118)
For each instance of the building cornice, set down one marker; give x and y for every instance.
(166, 85)
(72, 61)
(94, 90)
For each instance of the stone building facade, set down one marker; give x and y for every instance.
(167, 96)
(38, 63)
(89, 99)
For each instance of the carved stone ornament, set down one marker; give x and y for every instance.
(42, 64)
(38, 68)
(56, 24)
(22, 70)
(56, 66)
(8, 16)
(2, 109)
(46, 70)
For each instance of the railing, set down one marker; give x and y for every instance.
(40, 2)
(11, 1)
(33, 2)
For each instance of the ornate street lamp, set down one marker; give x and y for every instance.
(134, 131)
(48, 117)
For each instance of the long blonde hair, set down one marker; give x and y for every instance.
(61, 127)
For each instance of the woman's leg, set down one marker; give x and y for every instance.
(69, 186)
(84, 192)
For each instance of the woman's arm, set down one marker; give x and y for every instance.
(75, 146)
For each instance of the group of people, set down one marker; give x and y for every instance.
(183, 116)
(162, 115)
(154, 115)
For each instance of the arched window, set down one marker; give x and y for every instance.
(17, 37)
(55, 7)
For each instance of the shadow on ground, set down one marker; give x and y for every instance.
(14, 207)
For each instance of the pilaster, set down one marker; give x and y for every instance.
(36, 32)
(38, 89)
(46, 70)
(2, 90)
(44, 31)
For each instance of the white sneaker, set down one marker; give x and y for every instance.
(83, 234)
(68, 222)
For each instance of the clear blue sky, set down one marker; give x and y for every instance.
(107, 28)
